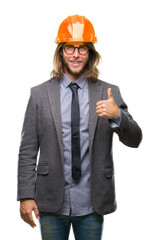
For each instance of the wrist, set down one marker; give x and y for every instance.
(117, 113)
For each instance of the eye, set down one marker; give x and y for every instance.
(69, 47)
(83, 48)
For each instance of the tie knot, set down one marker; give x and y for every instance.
(74, 87)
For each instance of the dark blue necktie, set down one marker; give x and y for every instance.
(75, 134)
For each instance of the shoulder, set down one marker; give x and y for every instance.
(114, 88)
(39, 87)
(106, 84)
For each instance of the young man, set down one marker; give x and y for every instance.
(71, 119)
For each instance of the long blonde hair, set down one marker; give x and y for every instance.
(92, 71)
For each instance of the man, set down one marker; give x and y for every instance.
(71, 119)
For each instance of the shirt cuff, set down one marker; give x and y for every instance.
(116, 121)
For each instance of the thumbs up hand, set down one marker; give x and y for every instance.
(107, 108)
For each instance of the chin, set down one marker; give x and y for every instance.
(76, 72)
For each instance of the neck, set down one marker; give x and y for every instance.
(72, 77)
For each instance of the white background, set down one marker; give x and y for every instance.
(128, 41)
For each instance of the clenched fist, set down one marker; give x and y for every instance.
(108, 108)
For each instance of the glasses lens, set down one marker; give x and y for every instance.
(69, 49)
(83, 50)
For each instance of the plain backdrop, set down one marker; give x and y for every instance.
(128, 41)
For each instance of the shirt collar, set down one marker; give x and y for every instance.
(80, 82)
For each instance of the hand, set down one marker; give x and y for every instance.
(107, 108)
(26, 208)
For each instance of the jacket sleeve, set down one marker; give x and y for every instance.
(128, 130)
(28, 151)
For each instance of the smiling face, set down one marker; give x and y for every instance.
(75, 63)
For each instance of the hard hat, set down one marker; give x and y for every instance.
(76, 29)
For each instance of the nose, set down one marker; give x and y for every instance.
(76, 53)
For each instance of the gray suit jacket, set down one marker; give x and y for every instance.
(43, 180)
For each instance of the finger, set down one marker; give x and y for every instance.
(30, 220)
(99, 107)
(99, 111)
(103, 104)
(110, 93)
(24, 218)
(99, 103)
(36, 212)
(27, 217)
(101, 115)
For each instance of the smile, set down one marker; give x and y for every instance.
(75, 63)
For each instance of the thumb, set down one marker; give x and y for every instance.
(36, 211)
(110, 93)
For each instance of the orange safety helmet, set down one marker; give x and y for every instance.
(76, 29)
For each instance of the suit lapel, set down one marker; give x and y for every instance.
(53, 89)
(95, 95)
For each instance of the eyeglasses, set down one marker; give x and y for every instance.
(69, 49)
